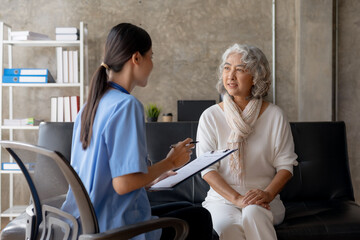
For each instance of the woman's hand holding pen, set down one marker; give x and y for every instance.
(178, 156)
(180, 153)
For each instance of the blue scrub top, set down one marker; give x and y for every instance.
(117, 147)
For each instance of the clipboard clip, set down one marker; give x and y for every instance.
(226, 150)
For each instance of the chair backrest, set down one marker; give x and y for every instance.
(55, 223)
(57, 137)
(323, 170)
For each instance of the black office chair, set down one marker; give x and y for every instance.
(45, 219)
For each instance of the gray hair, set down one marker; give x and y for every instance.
(255, 61)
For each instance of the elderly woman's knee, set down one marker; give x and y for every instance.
(230, 231)
(255, 213)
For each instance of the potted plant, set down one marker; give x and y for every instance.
(152, 112)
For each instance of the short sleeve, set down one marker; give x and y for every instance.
(124, 136)
(207, 140)
(285, 157)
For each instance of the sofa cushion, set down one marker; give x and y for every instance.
(323, 170)
(313, 220)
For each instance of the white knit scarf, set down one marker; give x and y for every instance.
(241, 124)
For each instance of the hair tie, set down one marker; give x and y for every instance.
(105, 65)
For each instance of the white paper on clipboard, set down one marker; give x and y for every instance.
(190, 169)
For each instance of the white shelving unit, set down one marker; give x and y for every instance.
(5, 30)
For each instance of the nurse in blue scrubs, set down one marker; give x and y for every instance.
(109, 145)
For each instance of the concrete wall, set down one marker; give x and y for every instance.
(314, 68)
(189, 37)
(349, 83)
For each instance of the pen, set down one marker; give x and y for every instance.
(193, 142)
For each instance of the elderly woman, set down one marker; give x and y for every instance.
(244, 190)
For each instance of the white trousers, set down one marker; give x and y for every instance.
(251, 223)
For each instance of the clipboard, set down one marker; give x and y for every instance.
(190, 169)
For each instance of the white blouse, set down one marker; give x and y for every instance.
(269, 148)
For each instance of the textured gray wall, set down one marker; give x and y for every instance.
(349, 83)
(189, 37)
(286, 87)
(314, 60)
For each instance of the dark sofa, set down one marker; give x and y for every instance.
(319, 199)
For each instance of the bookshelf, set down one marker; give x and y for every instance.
(6, 60)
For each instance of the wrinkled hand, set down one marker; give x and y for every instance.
(239, 202)
(258, 197)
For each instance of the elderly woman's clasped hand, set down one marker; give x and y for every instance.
(255, 197)
(258, 197)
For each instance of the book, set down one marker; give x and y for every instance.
(71, 67)
(22, 38)
(27, 75)
(21, 122)
(190, 169)
(27, 35)
(60, 109)
(64, 108)
(67, 37)
(59, 65)
(28, 79)
(13, 166)
(74, 107)
(76, 67)
(66, 30)
(53, 117)
(67, 113)
(65, 66)
(25, 71)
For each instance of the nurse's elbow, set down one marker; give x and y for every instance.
(120, 186)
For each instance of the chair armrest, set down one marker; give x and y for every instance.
(127, 232)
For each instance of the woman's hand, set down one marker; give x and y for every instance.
(161, 177)
(239, 202)
(258, 197)
(180, 154)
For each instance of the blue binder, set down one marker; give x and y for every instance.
(25, 71)
(28, 79)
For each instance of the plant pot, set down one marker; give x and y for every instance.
(151, 119)
(167, 117)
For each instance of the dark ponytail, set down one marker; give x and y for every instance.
(122, 42)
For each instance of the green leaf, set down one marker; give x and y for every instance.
(152, 110)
